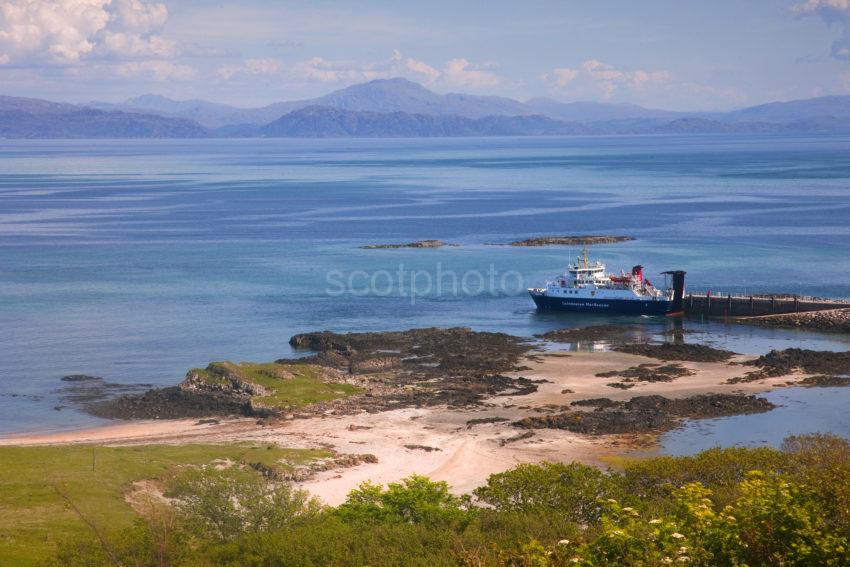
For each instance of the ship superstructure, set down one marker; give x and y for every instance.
(587, 287)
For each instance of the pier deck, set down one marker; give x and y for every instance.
(740, 305)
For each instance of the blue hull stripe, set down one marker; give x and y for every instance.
(612, 306)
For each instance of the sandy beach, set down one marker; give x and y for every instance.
(438, 442)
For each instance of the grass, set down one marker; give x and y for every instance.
(34, 516)
(287, 385)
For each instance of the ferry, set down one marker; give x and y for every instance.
(587, 287)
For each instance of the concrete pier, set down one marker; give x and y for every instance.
(738, 305)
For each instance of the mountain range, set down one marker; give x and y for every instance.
(401, 108)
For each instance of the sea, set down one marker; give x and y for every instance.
(135, 260)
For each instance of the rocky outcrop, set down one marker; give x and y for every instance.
(570, 240)
(220, 377)
(173, 403)
(414, 244)
(674, 351)
(422, 367)
(783, 362)
(645, 414)
(832, 320)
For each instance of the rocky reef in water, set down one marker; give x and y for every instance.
(588, 240)
(645, 414)
(677, 351)
(414, 244)
(347, 373)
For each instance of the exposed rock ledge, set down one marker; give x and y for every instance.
(834, 320)
(414, 244)
(588, 240)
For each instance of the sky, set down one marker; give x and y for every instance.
(678, 55)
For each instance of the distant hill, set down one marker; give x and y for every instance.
(35, 118)
(380, 95)
(837, 107)
(585, 111)
(34, 105)
(398, 107)
(326, 122)
(401, 95)
(208, 114)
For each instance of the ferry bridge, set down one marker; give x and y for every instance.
(713, 304)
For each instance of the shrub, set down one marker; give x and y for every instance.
(222, 504)
(415, 500)
(571, 489)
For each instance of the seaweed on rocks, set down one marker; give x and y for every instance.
(414, 244)
(173, 403)
(601, 403)
(673, 351)
(582, 240)
(423, 367)
(483, 420)
(417, 368)
(823, 381)
(783, 362)
(519, 437)
(645, 414)
(426, 448)
(649, 372)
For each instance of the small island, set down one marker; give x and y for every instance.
(414, 244)
(588, 240)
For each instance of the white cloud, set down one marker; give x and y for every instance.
(250, 67)
(456, 72)
(603, 78)
(318, 69)
(824, 7)
(562, 76)
(832, 12)
(157, 70)
(461, 73)
(64, 32)
(403, 66)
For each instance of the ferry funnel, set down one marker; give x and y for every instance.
(678, 291)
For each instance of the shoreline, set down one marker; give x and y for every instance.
(438, 441)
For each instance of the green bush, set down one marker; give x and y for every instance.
(571, 489)
(223, 504)
(414, 500)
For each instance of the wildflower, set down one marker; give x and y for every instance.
(655, 521)
(564, 542)
(666, 560)
(677, 535)
(575, 560)
(683, 559)
(618, 532)
(683, 550)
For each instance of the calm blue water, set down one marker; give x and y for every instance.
(136, 260)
